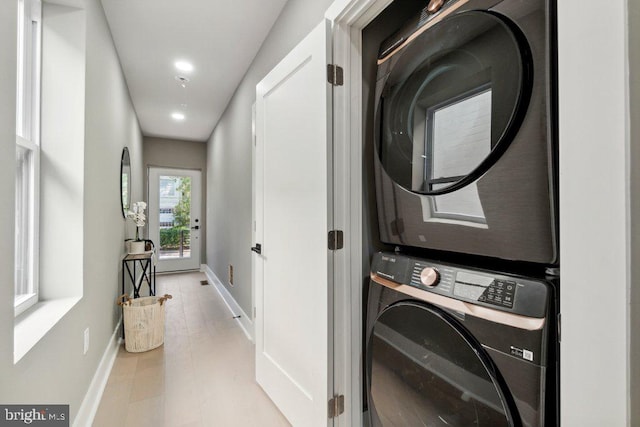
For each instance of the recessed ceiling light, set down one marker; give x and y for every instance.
(184, 66)
(177, 116)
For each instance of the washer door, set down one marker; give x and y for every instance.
(425, 369)
(451, 102)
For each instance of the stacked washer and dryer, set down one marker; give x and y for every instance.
(465, 172)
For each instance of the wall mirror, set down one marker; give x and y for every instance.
(125, 181)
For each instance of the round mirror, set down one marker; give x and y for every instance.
(125, 181)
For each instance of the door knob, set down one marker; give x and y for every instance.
(257, 248)
(197, 227)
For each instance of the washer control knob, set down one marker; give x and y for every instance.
(429, 277)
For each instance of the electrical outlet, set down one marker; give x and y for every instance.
(86, 340)
(231, 274)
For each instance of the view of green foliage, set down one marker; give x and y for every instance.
(182, 211)
(170, 237)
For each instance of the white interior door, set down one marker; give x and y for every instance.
(292, 209)
(174, 217)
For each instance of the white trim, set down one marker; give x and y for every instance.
(91, 401)
(355, 14)
(245, 321)
(349, 18)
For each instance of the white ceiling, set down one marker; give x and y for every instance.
(219, 37)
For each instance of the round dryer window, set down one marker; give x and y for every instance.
(424, 369)
(452, 100)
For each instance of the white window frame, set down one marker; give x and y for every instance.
(29, 51)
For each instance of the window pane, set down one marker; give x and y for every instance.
(21, 70)
(175, 217)
(24, 224)
(27, 153)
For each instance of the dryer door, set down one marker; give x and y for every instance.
(425, 369)
(451, 101)
(464, 135)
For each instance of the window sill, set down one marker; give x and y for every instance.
(36, 322)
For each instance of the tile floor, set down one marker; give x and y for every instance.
(203, 375)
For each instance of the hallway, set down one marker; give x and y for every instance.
(203, 375)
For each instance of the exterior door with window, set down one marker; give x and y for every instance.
(174, 218)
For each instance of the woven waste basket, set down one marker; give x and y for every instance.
(143, 322)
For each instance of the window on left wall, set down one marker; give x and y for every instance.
(27, 154)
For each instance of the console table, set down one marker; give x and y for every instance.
(145, 262)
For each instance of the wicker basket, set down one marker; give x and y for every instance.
(143, 322)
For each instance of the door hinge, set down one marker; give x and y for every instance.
(336, 406)
(335, 75)
(336, 240)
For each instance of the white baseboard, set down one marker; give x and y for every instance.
(91, 401)
(245, 321)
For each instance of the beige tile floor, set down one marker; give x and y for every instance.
(203, 375)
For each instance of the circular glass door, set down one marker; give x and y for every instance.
(424, 370)
(452, 101)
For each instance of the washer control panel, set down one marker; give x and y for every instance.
(488, 288)
(491, 290)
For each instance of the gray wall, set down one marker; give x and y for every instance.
(634, 144)
(55, 370)
(229, 181)
(172, 153)
(8, 29)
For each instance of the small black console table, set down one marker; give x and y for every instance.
(145, 262)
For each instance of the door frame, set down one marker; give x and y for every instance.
(349, 17)
(199, 214)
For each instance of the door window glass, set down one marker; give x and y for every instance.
(451, 98)
(424, 372)
(175, 217)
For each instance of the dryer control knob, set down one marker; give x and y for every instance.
(435, 5)
(429, 276)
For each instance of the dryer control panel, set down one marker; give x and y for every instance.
(515, 294)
